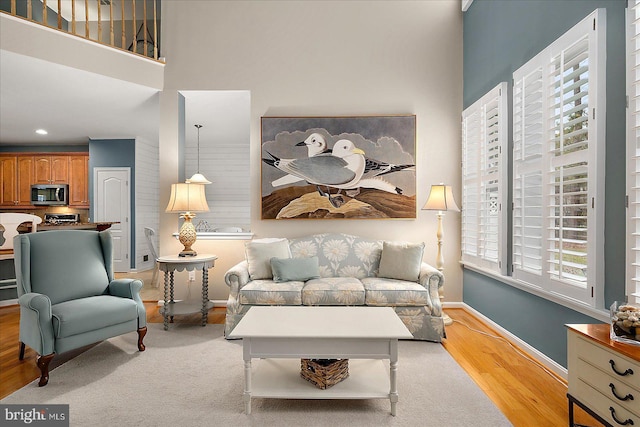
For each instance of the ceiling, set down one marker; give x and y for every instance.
(72, 105)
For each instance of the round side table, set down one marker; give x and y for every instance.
(170, 264)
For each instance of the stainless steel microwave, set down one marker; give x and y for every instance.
(50, 194)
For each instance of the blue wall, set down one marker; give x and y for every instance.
(115, 153)
(499, 37)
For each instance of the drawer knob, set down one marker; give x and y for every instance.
(622, 374)
(613, 390)
(622, 423)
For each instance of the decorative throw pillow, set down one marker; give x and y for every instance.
(401, 261)
(259, 254)
(287, 269)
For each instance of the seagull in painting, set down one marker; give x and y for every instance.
(375, 167)
(315, 144)
(341, 169)
(371, 177)
(375, 183)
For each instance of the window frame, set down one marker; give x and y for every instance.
(633, 160)
(476, 138)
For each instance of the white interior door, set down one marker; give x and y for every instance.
(111, 195)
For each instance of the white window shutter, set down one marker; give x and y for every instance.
(559, 116)
(529, 104)
(484, 143)
(633, 150)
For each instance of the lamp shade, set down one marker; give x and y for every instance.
(187, 198)
(198, 178)
(441, 199)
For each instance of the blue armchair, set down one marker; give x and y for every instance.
(68, 296)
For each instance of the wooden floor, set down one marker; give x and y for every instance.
(519, 387)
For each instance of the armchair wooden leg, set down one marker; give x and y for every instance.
(141, 333)
(21, 355)
(43, 364)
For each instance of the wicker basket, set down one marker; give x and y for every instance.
(324, 373)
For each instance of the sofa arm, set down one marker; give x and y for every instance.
(130, 288)
(238, 274)
(36, 324)
(433, 280)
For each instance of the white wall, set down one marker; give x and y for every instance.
(30, 39)
(302, 58)
(223, 156)
(147, 209)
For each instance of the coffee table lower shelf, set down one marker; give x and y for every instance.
(280, 379)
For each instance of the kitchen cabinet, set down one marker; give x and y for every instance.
(51, 169)
(79, 181)
(25, 178)
(9, 177)
(17, 174)
(18, 171)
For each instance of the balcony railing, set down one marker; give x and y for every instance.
(131, 25)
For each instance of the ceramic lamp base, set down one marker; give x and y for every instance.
(187, 235)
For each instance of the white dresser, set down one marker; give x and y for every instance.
(604, 376)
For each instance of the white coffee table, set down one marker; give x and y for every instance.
(279, 334)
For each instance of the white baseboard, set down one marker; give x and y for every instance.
(546, 361)
(8, 302)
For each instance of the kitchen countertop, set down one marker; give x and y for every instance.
(80, 226)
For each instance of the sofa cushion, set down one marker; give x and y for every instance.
(340, 255)
(391, 292)
(259, 254)
(286, 269)
(401, 261)
(268, 292)
(93, 313)
(333, 291)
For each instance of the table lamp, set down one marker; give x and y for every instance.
(187, 199)
(441, 200)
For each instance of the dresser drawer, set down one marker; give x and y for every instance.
(609, 386)
(607, 361)
(602, 406)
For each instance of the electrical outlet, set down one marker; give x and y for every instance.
(192, 276)
(145, 258)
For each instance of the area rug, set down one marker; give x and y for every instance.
(191, 376)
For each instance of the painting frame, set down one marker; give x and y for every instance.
(340, 167)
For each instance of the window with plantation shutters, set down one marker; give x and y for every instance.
(484, 143)
(558, 165)
(633, 150)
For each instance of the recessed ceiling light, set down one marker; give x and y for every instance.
(41, 132)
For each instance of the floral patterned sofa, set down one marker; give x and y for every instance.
(349, 270)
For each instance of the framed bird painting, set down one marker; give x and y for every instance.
(360, 167)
